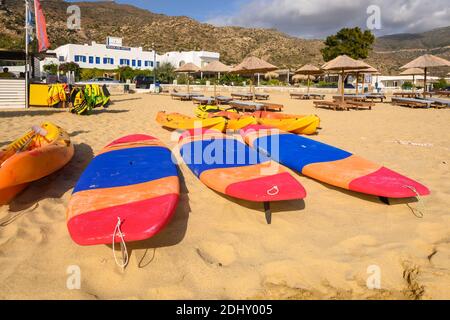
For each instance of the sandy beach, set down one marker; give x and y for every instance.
(220, 248)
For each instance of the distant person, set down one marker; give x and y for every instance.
(7, 74)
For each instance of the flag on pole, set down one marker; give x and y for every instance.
(29, 23)
(41, 27)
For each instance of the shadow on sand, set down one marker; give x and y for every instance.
(28, 112)
(55, 185)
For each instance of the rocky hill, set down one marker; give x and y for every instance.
(140, 27)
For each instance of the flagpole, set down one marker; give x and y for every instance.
(26, 53)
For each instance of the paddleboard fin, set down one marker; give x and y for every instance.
(268, 212)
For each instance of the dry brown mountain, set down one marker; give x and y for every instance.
(140, 27)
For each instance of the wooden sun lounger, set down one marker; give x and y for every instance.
(204, 100)
(335, 105)
(412, 103)
(307, 96)
(406, 94)
(255, 106)
(223, 99)
(440, 103)
(374, 96)
(443, 93)
(184, 96)
(262, 96)
(242, 96)
(358, 105)
(351, 97)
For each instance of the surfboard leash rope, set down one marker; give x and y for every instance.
(123, 246)
(417, 212)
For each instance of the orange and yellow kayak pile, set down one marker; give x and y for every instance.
(38, 153)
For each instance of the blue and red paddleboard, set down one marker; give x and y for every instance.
(230, 167)
(135, 179)
(331, 165)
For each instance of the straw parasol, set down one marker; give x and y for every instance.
(343, 64)
(218, 68)
(412, 72)
(188, 68)
(369, 70)
(426, 61)
(271, 75)
(308, 70)
(253, 65)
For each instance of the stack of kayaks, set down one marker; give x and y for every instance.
(177, 121)
(331, 165)
(228, 166)
(38, 153)
(206, 111)
(131, 188)
(299, 124)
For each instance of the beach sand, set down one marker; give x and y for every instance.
(220, 248)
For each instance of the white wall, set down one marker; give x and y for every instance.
(199, 58)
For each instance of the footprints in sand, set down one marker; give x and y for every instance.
(218, 254)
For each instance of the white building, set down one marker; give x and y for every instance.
(199, 58)
(107, 56)
(113, 54)
(396, 82)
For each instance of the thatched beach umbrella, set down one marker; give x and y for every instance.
(424, 62)
(188, 68)
(343, 64)
(253, 65)
(309, 70)
(412, 72)
(216, 67)
(369, 70)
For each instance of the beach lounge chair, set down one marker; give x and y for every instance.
(440, 103)
(307, 96)
(262, 96)
(359, 105)
(443, 93)
(351, 97)
(412, 103)
(406, 94)
(255, 106)
(184, 96)
(223, 99)
(375, 96)
(335, 105)
(204, 100)
(242, 96)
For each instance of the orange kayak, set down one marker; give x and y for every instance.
(38, 153)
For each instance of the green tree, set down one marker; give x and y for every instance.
(165, 73)
(126, 73)
(353, 42)
(441, 84)
(69, 67)
(51, 68)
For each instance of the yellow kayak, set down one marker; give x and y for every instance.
(238, 124)
(306, 125)
(177, 121)
(205, 112)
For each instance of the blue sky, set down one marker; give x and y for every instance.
(201, 10)
(308, 18)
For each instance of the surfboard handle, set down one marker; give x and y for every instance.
(268, 212)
